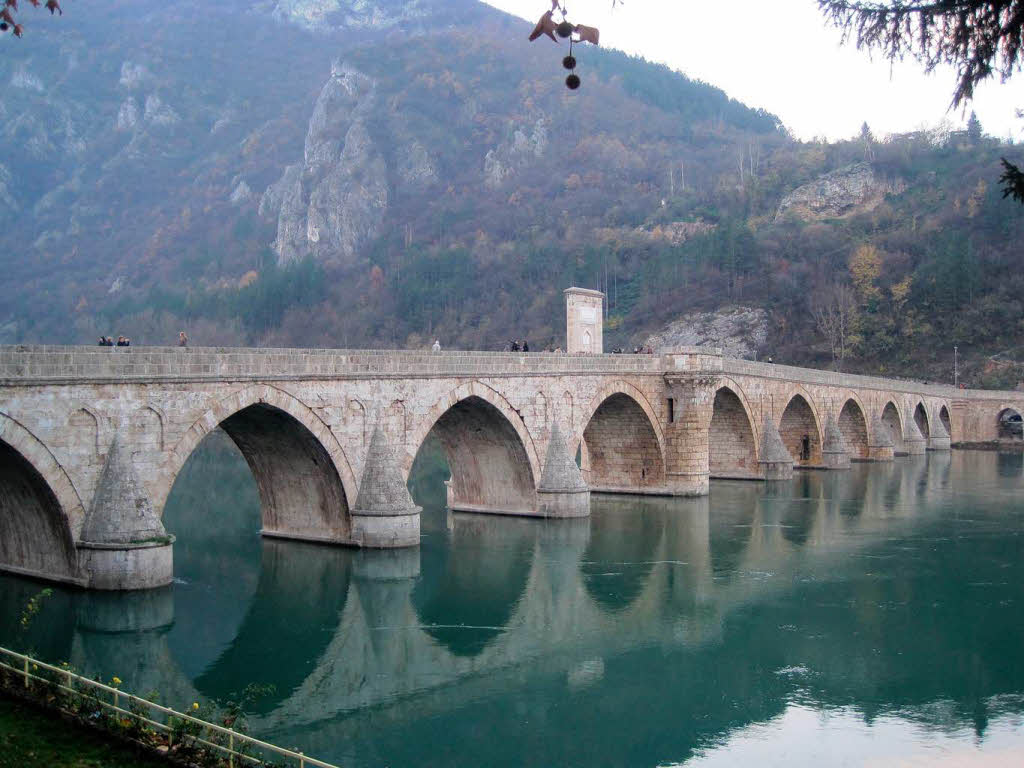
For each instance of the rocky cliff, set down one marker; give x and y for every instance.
(844, 191)
(333, 202)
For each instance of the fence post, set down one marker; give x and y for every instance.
(231, 748)
(26, 671)
(302, 760)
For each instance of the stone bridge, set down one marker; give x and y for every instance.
(92, 438)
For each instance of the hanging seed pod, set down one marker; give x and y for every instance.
(569, 62)
(565, 29)
(572, 82)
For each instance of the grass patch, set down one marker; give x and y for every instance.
(33, 739)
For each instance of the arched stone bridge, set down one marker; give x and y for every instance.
(92, 439)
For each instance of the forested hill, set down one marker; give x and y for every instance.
(386, 172)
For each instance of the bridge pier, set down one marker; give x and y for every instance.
(775, 461)
(384, 515)
(939, 439)
(691, 395)
(881, 447)
(562, 491)
(834, 453)
(913, 439)
(123, 545)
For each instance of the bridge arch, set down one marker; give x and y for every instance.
(853, 425)
(893, 419)
(304, 479)
(732, 435)
(800, 420)
(491, 454)
(40, 510)
(921, 418)
(1009, 424)
(622, 443)
(944, 418)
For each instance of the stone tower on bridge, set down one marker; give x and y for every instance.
(584, 321)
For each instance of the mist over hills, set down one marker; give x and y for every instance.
(380, 172)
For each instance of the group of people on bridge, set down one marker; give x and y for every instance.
(122, 341)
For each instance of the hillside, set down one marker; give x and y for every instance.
(334, 173)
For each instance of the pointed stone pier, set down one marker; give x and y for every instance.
(834, 453)
(939, 439)
(562, 492)
(384, 514)
(123, 544)
(881, 447)
(915, 442)
(775, 461)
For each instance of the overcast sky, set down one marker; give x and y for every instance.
(781, 56)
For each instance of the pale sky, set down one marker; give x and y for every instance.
(781, 56)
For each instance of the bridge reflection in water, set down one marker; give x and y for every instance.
(643, 635)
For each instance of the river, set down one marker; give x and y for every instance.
(864, 617)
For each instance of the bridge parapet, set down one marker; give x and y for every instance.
(45, 364)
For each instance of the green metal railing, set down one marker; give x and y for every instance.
(214, 738)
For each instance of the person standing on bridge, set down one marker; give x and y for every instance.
(182, 339)
(437, 346)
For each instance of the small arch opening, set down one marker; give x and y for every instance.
(1010, 425)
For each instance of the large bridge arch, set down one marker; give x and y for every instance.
(621, 440)
(733, 435)
(41, 513)
(491, 454)
(305, 482)
(853, 424)
(800, 419)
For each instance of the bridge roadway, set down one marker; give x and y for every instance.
(93, 438)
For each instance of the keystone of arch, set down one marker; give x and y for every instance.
(239, 401)
(487, 394)
(49, 468)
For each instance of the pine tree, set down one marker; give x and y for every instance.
(974, 129)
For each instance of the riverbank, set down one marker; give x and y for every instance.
(32, 738)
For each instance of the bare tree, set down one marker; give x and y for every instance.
(834, 311)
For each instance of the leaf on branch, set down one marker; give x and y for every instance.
(1012, 181)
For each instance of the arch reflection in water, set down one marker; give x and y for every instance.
(624, 538)
(472, 579)
(290, 622)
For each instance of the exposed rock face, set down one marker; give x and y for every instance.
(517, 150)
(242, 194)
(334, 203)
(415, 166)
(852, 189)
(159, 113)
(348, 14)
(739, 331)
(127, 115)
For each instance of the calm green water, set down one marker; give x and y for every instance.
(848, 618)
